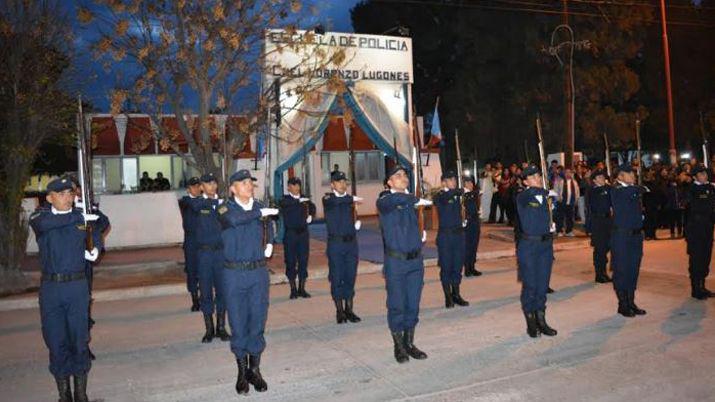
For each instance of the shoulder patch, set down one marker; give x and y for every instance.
(222, 209)
(36, 214)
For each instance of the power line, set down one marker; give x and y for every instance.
(635, 3)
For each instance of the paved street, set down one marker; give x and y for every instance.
(149, 350)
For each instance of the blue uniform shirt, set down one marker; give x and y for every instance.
(627, 207)
(188, 216)
(701, 203)
(398, 220)
(533, 210)
(208, 229)
(339, 214)
(449, 208)
(598, 200)
(242, 232)
(471, 206)
(294, 212)
(61, 239)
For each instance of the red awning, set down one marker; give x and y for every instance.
(139, 139)
(105, 138)
(334, 139)
(171, 130)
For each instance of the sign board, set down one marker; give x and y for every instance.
(367, 57)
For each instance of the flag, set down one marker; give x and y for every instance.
(435, 130)
(260, 147)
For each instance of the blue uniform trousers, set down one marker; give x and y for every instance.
(471, 243)
(626, 254)
(404, 281)
(342, 268)
(296, 249)
(600, 240)
(450, 248)
(247, 303)
(64, 310)
(535, 258)
(210, 273)
(191, 264)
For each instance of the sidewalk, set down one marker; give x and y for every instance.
(148, 272)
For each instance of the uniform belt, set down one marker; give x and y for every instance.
(545, 237)
(344, 239)
(210, 247)
(245, 265)
(404, 256)
(628, 231)
(456, 230)
(75, 276)
(601, 215)
(297, 230)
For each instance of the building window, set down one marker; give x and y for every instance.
(369, 165)
(130, 175)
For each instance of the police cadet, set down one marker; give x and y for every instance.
(342, 225)
(64, 293)
(297, 212)
(450, 239)
(534, 251)
(626, 239)
(473, 228)
(404, 266)
(210, 258)
(598, 204)
(247, 243)
(189, 220)
(699, 232)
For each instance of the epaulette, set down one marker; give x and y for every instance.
(222, 209)
(327, 196)
(383, 193)
(38, 212)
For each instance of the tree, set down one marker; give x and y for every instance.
(35, 56)
(188, 58)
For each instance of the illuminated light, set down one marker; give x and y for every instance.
(685, 155)
(656, 156)
(466, 172)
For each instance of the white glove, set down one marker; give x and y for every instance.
(268, 212)
(91, 255)
(647, 190)
(268, 252)
(358, 225)
(78, 204)
(424, 236)
(357, 199)
(552, 229)
(309, 219)
(220, 201)
(303, 199)
(464, 223)
(553, 193)
(423, 203)
(90, 217)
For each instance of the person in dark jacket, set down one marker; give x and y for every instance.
(296, 212)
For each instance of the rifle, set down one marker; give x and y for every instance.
(353, 181)
(459, 173)
(607, 160)
(419, 183)
(84, 172)
(639, 170)
(542, 159)
(526, 152)
(706, 158)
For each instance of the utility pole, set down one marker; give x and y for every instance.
(666, 55)
(568, 96)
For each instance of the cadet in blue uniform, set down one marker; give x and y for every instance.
(598, 204)
(404, 269)
(64, 293)
(297, 212)
(535, 251)
(340, 219)
(188, 220)
(450, 239)
(699, 232)
(473, 228)
(247, 243)
(210, 258)
(626, 240)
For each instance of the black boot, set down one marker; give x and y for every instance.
(624, 308)
(91, 355)
(400, 353)
(195, 304)
(301, 289)
(468, 271)
(705, 290)
(549, 290)
(457, 298)
(80, 388)
(253, 375)
(349, 314)
(293, 289)
(476, 272)
(221, 326)
(410, 347)
(241, 382)
(601, 276)
(339, 311)
(544, 328)
(632, 304)
(63, 389)
(209, 323)
(531, 328)
(696, 291)
(448, 301)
